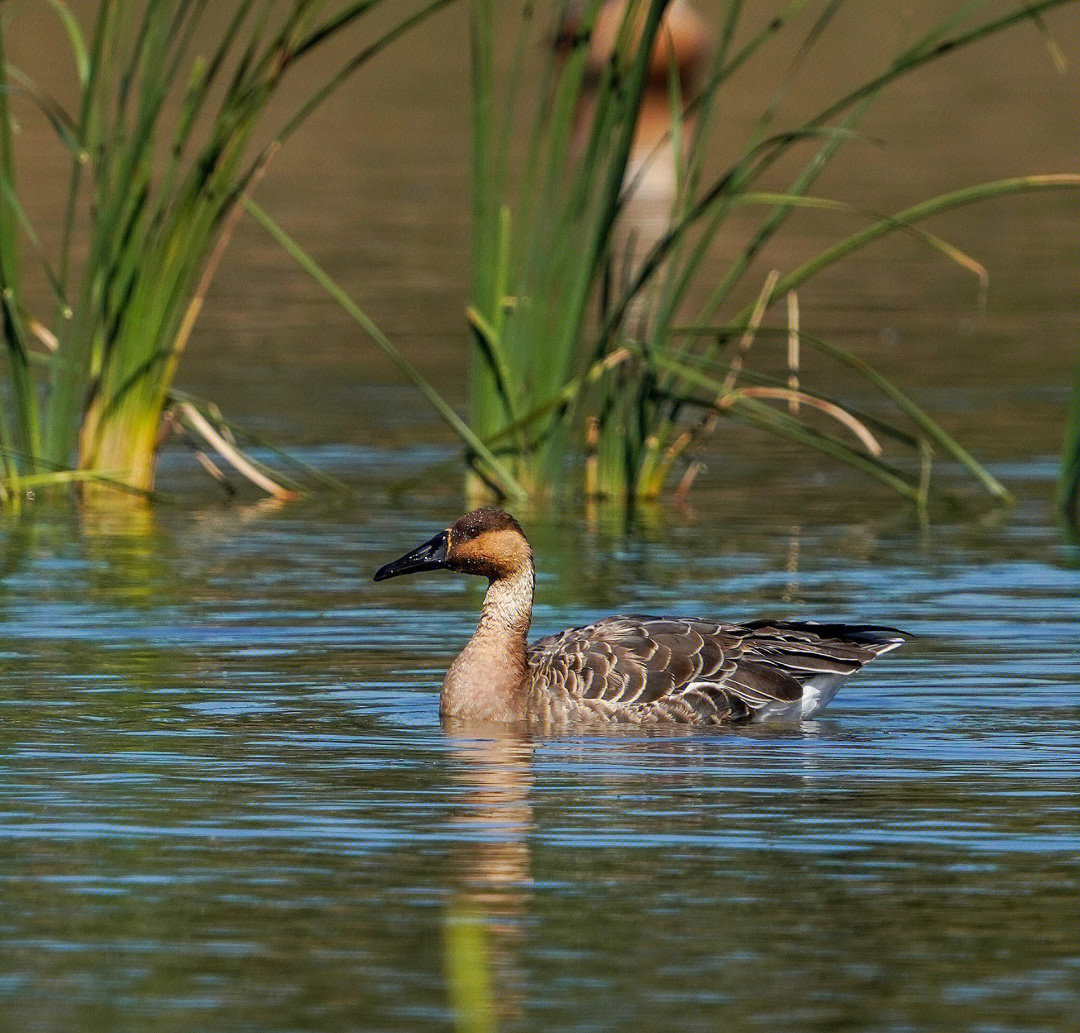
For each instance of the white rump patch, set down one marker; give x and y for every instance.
(818, 692)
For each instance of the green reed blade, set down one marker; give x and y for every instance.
(931, 240)
(933, 206)
(87, 137)
(932, 47)
(505, 480)
(11, 198)
(25, 432)
(75, 39)
(353, 64)
(55, 115)
(313, 35)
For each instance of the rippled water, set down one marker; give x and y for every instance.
(226, 801)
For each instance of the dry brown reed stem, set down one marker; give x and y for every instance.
(707, 424)
(43, 334)
(751, 330)
(687, 480)
(842, 416)
(201, 426)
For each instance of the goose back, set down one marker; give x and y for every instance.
(690, 669)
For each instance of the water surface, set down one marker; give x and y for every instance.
(227, 803)
(226, 800)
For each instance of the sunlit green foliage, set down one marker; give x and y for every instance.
(165, 134)
(597, 340)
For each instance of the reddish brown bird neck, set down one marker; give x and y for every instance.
(490, 679)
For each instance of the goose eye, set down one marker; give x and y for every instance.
(468, 532)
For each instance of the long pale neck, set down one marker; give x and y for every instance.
(489, 679)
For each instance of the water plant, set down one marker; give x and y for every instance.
(165, 135)
(598, 337)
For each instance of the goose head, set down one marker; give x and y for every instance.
(486, 542)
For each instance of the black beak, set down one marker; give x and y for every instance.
(429, 556)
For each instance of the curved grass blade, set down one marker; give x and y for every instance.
(928, 50)
(75, 38)
(53, 112)
(903, 220)
(504, 480)
(736, 403)
(331, 85)
(195, 421)
(11, 198)
(837, 412)
(250, 439)
(932, 240)
(933, 431)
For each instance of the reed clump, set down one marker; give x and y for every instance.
(607, 343)
(167, 132)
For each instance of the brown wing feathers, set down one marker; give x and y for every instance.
(694, 669)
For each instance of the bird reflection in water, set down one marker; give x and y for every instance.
(485, 919)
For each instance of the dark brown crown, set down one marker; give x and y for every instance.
(473, 524)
